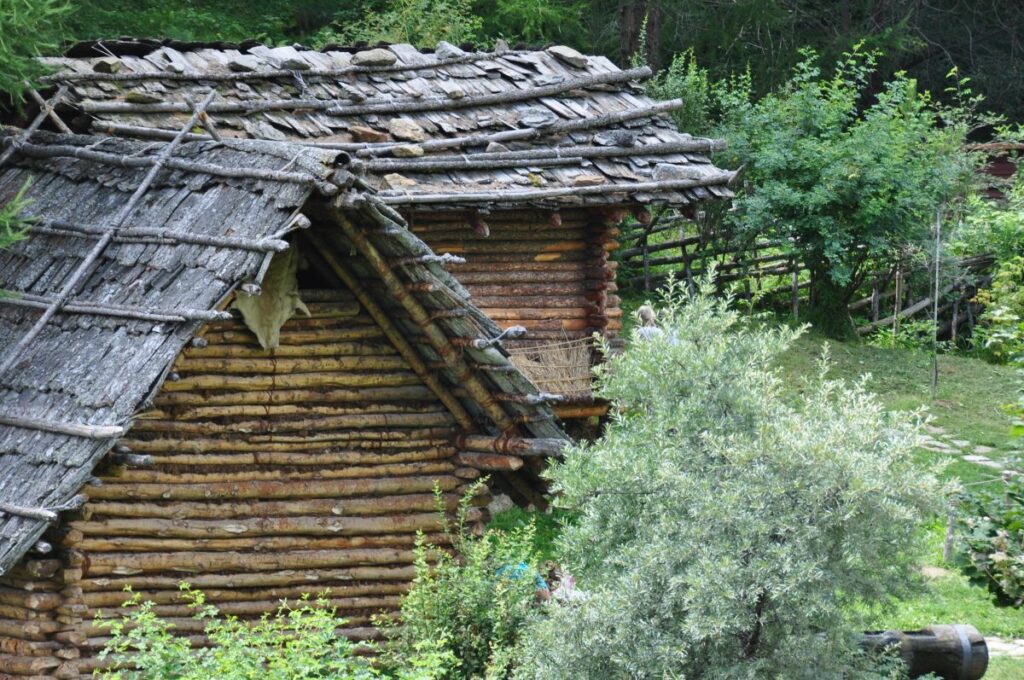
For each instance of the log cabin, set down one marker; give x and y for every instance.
(521, 162)
(248, 359)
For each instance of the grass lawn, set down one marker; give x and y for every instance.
(971, 396)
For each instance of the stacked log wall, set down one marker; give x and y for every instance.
(548, 271)
(256, 476)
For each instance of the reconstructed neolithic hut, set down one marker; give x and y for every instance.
(521, 162)
(227, 357)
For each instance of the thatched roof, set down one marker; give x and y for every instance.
(161, 234)
(439, 129)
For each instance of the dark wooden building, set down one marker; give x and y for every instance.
(229, 353)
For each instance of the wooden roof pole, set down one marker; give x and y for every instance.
(85, 266)
(451, 356)
(408, 352)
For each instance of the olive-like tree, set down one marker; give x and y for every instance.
(726, 528)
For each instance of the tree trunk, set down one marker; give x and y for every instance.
(828, 308)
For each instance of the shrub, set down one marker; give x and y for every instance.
(295, 643)
(472, 606)
(13, 225)
(724, 531)
(28, 29)
(419, 22)
(992, 538)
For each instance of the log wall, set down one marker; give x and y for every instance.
(548, 271)
(270, 474)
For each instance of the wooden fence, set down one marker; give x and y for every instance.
(769, 273)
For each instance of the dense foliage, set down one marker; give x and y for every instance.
(839, 178)
(997, 227)
(472, 608)
(992, 532)
(295, 643)
(724, 531)
(28, 29)
(13, 225)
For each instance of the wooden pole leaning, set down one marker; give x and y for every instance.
(383, 320)
(86, 265)
(451, 356)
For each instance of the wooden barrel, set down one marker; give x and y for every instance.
(953, 652)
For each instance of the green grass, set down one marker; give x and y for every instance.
(971, 398)
(1005, 668)
(948, 597)
(547, 527)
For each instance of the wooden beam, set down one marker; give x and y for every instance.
(383, 319)
(451, 356)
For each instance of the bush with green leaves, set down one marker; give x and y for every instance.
(997, 228)
(991, 531)
(295, 642)
(419, 22)
(724, 530)
(472, 605)
(14, 226)
(840, 171)
(28, 29)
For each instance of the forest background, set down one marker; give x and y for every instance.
(983, 39)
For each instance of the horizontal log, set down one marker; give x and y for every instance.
(32, 586)
(258, 544)
(506, 196)
(368, 440)
(372, 506)
(35, 569)
(162, 236)
(29, 600)
(250, 351)
(288, 365)
(28, 665)
(269, 489)
(281, 424)
(17, 646)
(187, 562)
(286, 396)
(283, 411)
(73, 429)
(535, 314)
(36, 630)
(253, 609)
(95, 600)
(147, 478)
(302, 459)
(311, 578)
(491, 462)
(519, 446)
(296, 381)
(296, 336)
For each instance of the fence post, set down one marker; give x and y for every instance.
(795, 302)
(947, 544)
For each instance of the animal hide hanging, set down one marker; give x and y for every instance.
(278, 300)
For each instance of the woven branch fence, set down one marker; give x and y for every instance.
(767, 272)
